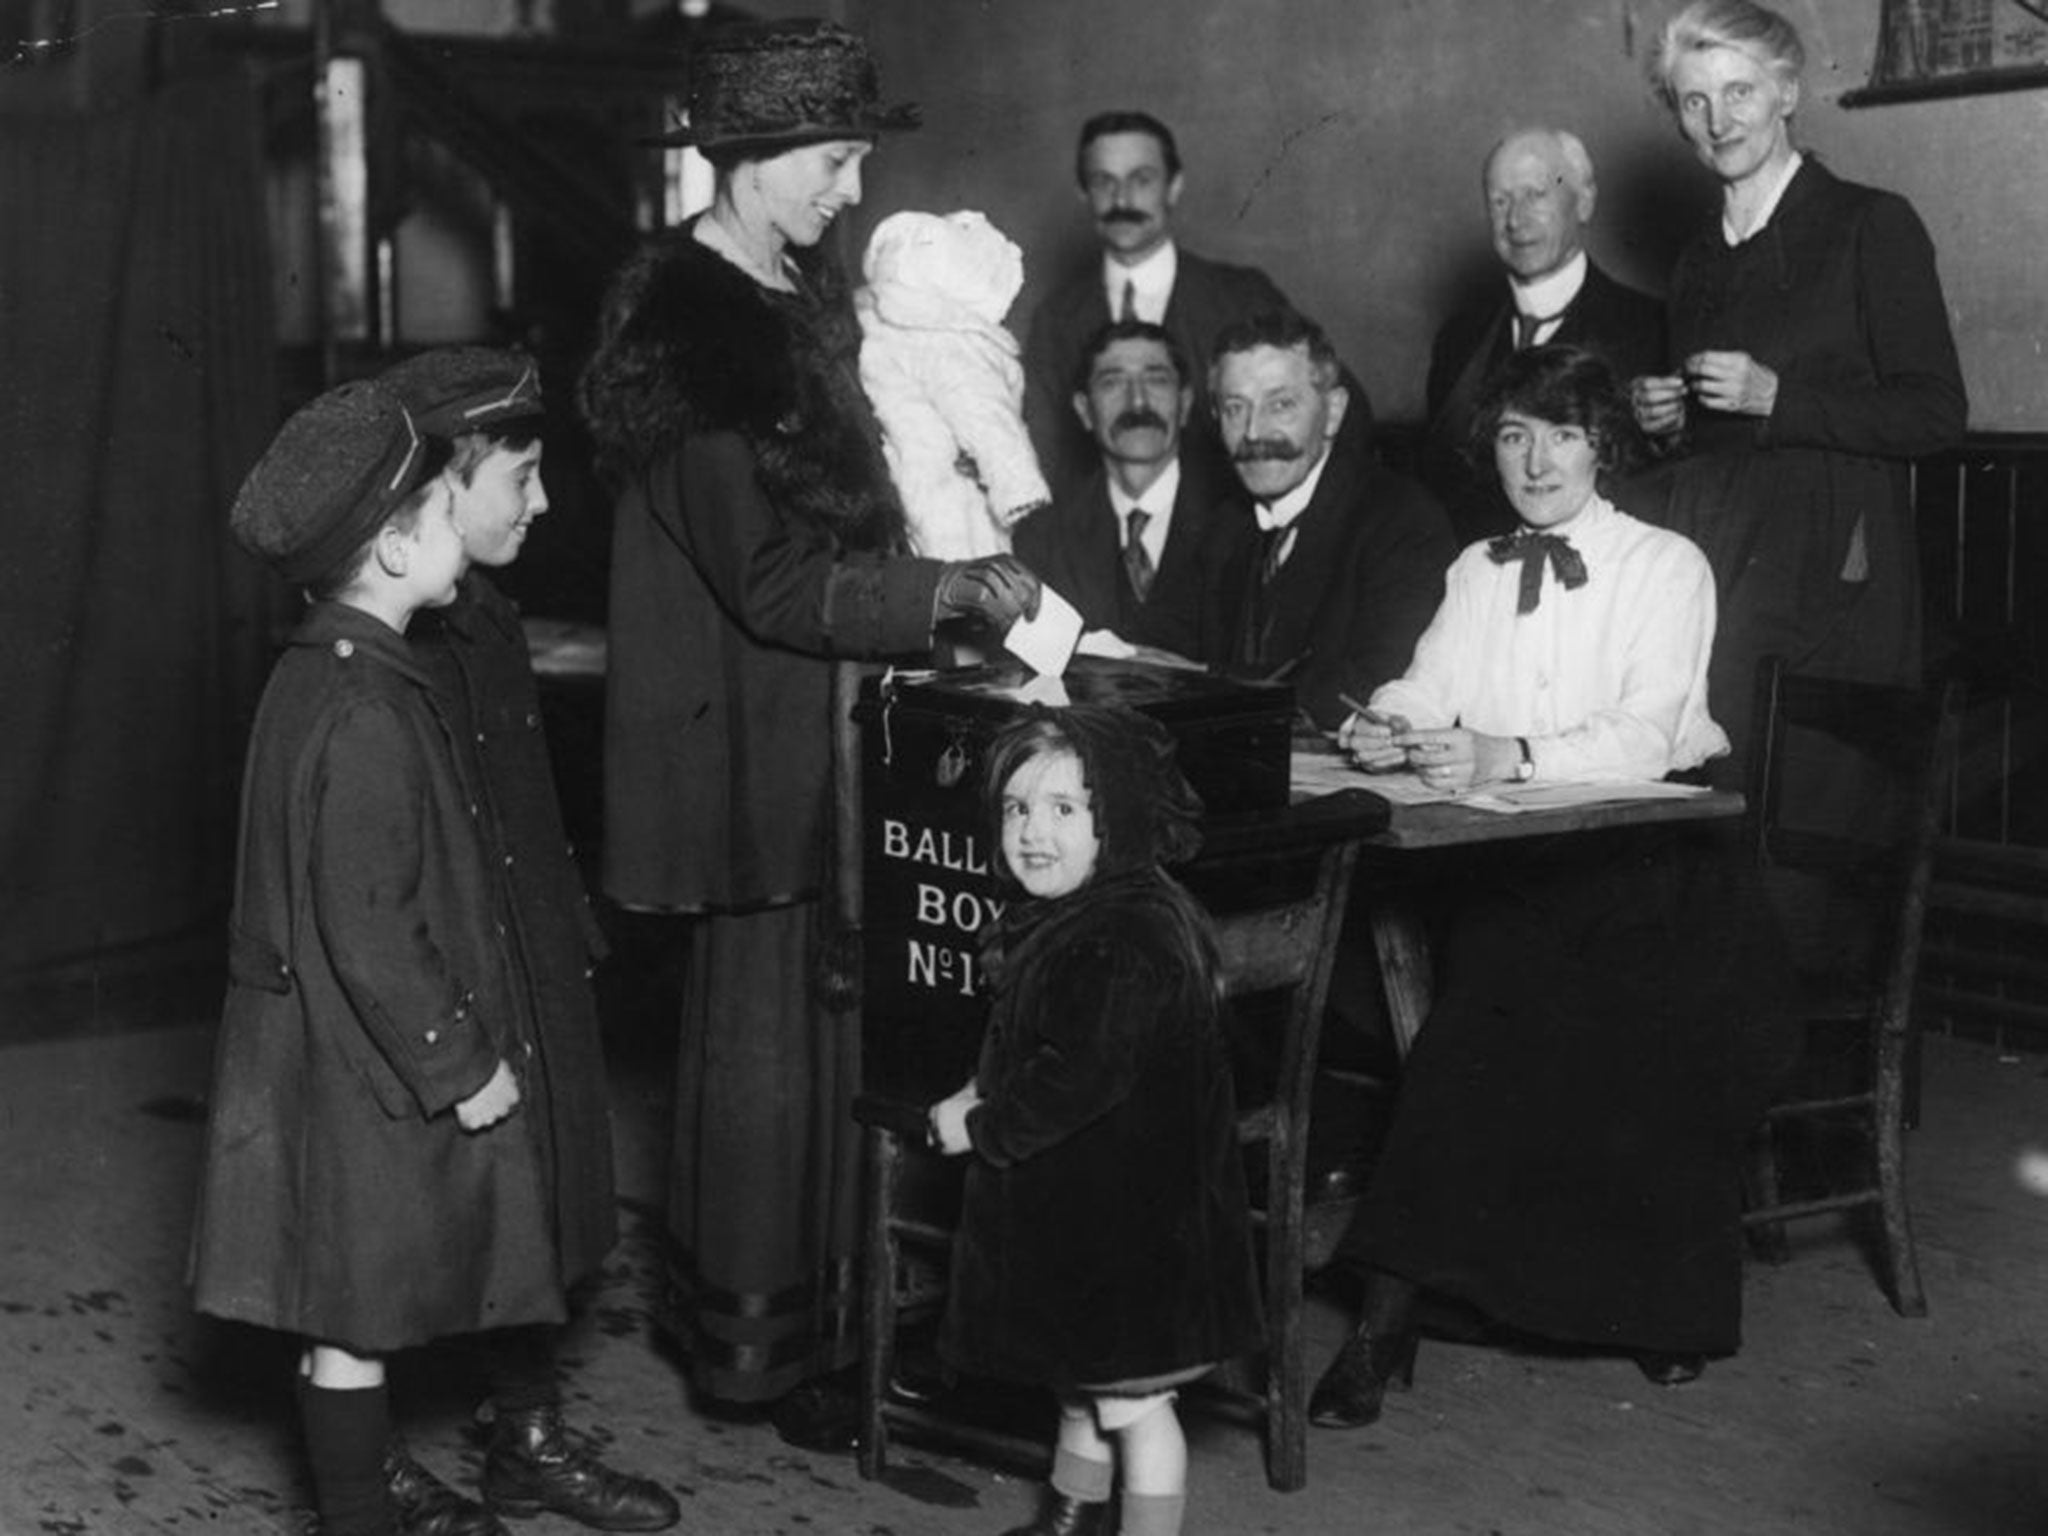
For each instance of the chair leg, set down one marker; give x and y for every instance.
(1768, 1241)
(1909, 1299)
(1286, 1333)
(884, 1156)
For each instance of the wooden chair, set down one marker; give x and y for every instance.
(1271, 944)
(1905, 739)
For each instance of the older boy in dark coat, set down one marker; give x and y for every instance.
(369, 1183)
(486, 403)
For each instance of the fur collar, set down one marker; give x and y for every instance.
(689, 343)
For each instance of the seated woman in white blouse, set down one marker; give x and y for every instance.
(1565, 1151)
(1573, 649)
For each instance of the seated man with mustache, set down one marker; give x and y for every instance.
(1122, 545)
(1337, 565)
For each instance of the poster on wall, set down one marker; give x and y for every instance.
(1929, 48)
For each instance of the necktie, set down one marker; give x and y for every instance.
(1534, 550)
(1275, 544)
(1526, 327)
(1137, 563)
(1130, 309)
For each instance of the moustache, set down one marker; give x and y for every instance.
(1136, 417)
(1123, 216)
(1271, 450)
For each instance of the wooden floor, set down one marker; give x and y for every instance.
(122, 1412)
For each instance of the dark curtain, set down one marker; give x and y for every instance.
(137, 385)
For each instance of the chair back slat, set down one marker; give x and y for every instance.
(1269, 947)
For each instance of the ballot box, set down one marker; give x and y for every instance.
(928, 887)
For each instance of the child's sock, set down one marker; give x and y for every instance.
(1081, 1477)
(346, 1433)
(1152, 1514)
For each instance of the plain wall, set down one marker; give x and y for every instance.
(1337, 144)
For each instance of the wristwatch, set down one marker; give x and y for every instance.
(1525, 770)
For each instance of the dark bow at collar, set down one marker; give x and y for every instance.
(1534, 549)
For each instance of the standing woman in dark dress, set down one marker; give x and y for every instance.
(1813, 359)
(756, 541)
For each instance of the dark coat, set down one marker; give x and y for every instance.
(750, 549)
(1806, 516)
(476, 652)
(370, 990)
(1103, 1234)
(1616, 322)
(1344, 612)
(1075, 545)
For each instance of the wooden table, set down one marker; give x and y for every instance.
(1394, 861)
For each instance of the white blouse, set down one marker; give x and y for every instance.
(1607, 680)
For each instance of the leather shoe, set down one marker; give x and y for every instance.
(532, 1465)
(1670, 1370)
(1063, 1516)
(1349, 1394)
(822, 1416)
(423, 1505)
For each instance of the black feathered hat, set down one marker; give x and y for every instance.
(775, 85)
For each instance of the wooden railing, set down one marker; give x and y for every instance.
(1983, 514)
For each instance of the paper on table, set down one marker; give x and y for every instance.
(1106, 642)
(1327, 773)
(1550, 797)
(1324, 773)
(1044, 689)
(1046, 643)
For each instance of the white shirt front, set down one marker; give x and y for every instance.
(1608, 681)
(1282, 512)
(1773, 195)
(1151, 283)
(1549, 296)
(1157, 503)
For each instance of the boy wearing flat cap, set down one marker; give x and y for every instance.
(372, 1180)
(485, 404)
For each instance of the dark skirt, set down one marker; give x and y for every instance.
(1815, 559)
(763, 1200)
(1565, 1150)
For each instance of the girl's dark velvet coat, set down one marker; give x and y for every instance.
(1104, 1236)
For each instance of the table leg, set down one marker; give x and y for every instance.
(1403, 949)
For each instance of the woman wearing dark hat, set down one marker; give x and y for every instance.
(756, 542)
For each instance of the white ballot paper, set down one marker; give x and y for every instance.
(1046, 643)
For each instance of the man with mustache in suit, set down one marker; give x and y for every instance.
(1129, 170)
(1121, 546)
(1540, 196)
(1338, 565)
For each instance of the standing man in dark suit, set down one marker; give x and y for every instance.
(1540, 194)
(1340, 564)
(1123, 545)
(1129, 171)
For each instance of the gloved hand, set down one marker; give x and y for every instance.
(996, 590)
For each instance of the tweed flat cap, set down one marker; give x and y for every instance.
(341, 465)
(756, 85)
(453, 390)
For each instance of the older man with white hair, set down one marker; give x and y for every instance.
(1540, 196)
